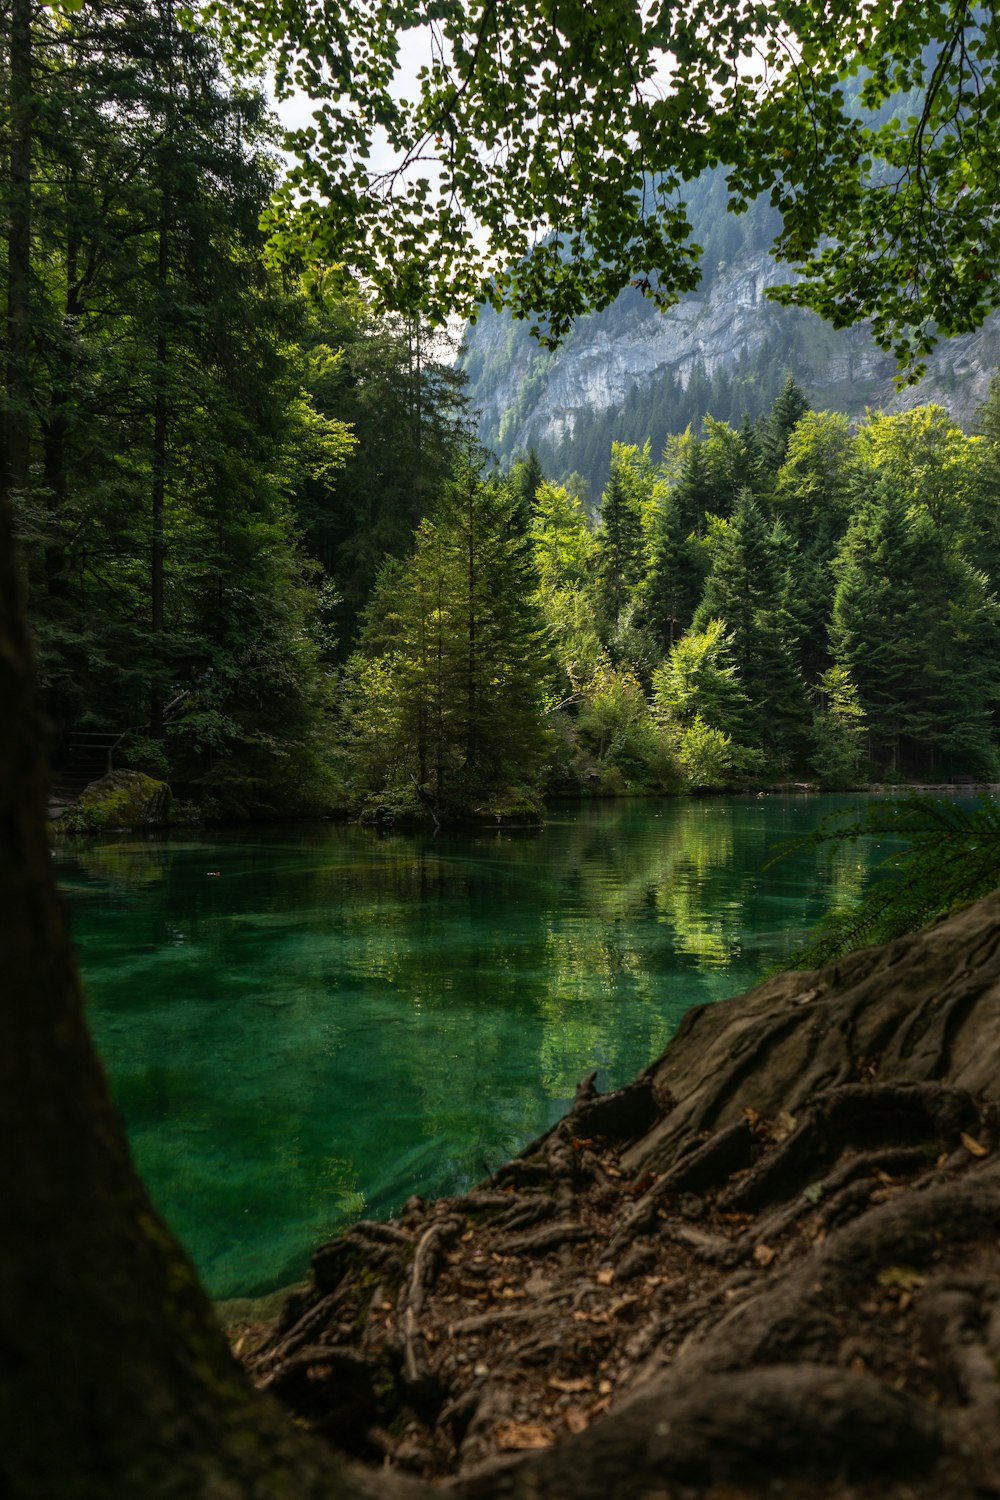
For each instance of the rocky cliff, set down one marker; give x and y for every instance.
(728, 332)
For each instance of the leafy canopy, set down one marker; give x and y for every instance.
(571, 129)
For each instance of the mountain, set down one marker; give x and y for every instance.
(632, 373)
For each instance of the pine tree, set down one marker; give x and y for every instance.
(676, 572)
(459, 694)
(915, 627)
(620, 546)
(744, 588)
(789, 407)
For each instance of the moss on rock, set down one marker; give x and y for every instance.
(120, 800)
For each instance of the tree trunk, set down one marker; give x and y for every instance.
(17, 419)
(115, 1381)
(159, 475)
(56, 428)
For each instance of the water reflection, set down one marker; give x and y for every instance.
(305, 1027)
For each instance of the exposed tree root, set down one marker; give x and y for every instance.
(772, 1259)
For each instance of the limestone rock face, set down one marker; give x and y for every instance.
(121, 800)
(529, 395)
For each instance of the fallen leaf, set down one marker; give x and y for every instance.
(901, 1276)
(467, 1236)
(571, 1387)
(575, 1418)
(976, 1147)
(606, 1276)
(623, 1302)
(523, 1435)
(763, 1254)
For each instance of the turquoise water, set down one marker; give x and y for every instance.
(308, 1025)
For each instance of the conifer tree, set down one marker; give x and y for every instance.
(527, 474)
(693, 492)
(620, 546)
(743, 588)
(915, 627)
(790, 406)
(676, 572)
(460, 691)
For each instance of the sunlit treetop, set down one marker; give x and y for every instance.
(570, 129)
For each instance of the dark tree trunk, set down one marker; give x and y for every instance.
(17, 421)
(56, 429)
(115, 1381)
(159, 474)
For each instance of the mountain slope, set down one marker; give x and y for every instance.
(631, 373)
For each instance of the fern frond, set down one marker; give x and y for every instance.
(948, 855)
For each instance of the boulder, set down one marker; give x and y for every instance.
(122, 800)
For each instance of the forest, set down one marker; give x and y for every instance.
(266, 553)
(240, 496)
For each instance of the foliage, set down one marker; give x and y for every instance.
(872, 129)
(616, 728)
(454, 702)
(838, 730)
(710, 759)
(171, 419)
(947, 856)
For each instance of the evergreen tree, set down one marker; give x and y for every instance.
(392, 383)
(728, 467)
(789, 407)
(526, 475)
(743, 588)
(915, 628)
(676, 572)
(457, 701)
(620, 557)
(693, 491)
(168, 421)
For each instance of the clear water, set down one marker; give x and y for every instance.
(306, 1026)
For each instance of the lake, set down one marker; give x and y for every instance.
(303, 1026)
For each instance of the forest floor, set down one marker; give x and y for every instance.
(770, 1265)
